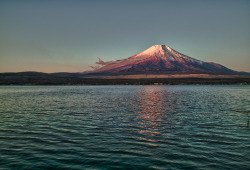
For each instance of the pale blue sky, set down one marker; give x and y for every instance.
(69, 35)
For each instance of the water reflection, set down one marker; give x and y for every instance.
(154, 110)
(151, 102)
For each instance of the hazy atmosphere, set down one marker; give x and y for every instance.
(68, 36)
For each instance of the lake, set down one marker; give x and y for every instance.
(124, 127)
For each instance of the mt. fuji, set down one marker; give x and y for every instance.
(159, 64)
(160, 59)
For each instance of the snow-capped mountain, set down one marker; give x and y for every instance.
(159, 59)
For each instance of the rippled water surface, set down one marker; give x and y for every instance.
(133, 127)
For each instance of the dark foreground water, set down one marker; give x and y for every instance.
(124, 127)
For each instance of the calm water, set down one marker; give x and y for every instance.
(130, 127)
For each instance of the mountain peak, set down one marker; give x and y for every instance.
(155, 50)
(160, 46)
(160, 59)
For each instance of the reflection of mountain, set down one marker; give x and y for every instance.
(154, 112)
(160, 59)
(151, 101)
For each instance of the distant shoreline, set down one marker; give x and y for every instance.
(37, 78)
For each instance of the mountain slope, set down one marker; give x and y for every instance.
(159, 59)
